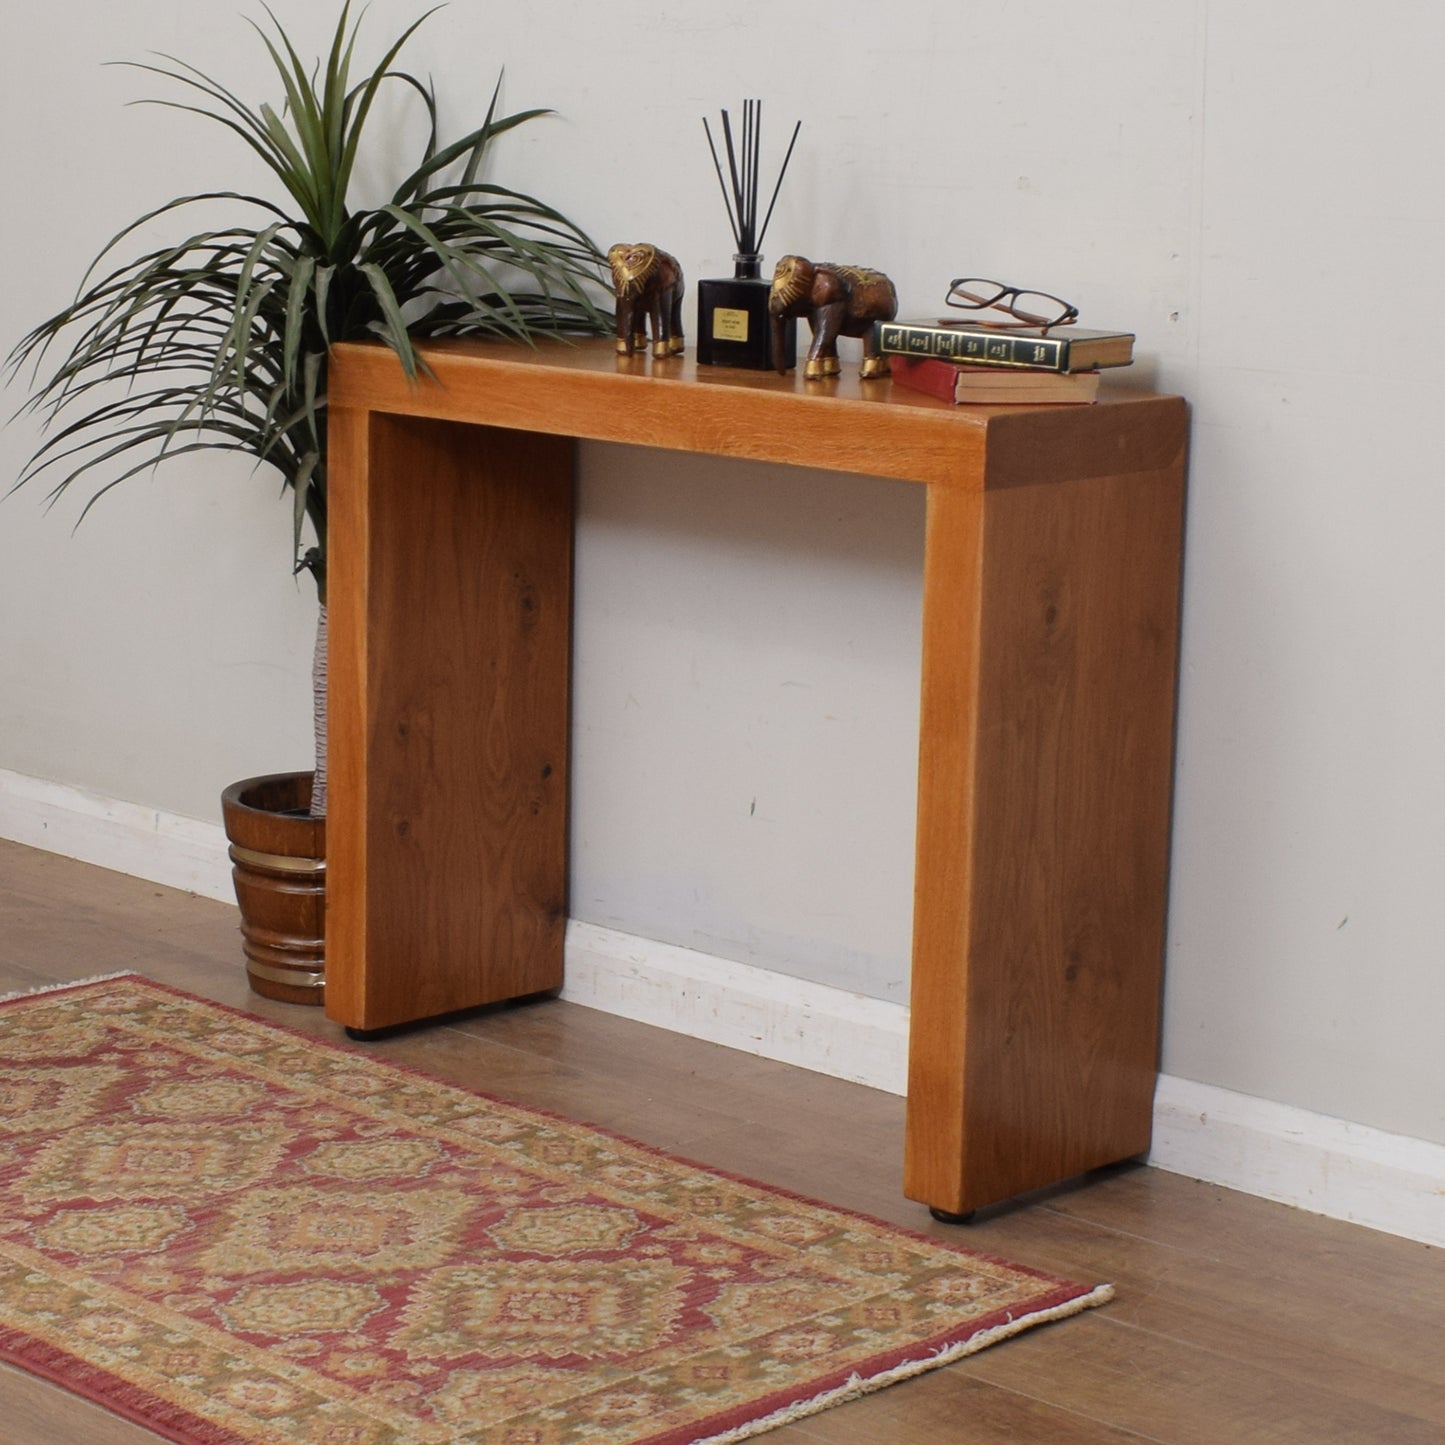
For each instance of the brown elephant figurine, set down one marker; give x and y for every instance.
(649, 287)
(838, 301)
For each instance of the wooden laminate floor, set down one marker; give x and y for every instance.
(1235, 1320)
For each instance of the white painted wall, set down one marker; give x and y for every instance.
(1254, 189)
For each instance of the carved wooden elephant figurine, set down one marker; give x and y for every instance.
(838, 301)
(649, 287)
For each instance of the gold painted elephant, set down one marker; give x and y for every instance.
(838, 301)
(649, 286)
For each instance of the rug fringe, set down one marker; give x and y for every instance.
(73, 983)
(855, 1387)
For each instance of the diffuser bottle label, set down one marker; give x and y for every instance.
(729, 324)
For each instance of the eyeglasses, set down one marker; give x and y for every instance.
(1027, 308)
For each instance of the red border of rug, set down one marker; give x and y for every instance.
(76, 1377)
(96, 1385)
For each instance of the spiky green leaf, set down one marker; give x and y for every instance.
(221, 339)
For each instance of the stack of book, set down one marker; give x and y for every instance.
(972, 363)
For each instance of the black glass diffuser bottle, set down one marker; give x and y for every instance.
(733, 325)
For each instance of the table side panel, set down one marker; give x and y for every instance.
(1075, 767)
(466, 608)
(348, 524)
(1055, 991)
(944, 867)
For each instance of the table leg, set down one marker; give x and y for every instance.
(450, 608)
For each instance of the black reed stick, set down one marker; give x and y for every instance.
(751, 142)
(744, 172)
(732, 222)
(737, 184)
(779, 185)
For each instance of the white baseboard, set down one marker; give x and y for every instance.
(828, 1030)
(1327, 1166)
(126, 837)
(1276, 1151)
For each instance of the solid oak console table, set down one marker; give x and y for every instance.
(1050, 621)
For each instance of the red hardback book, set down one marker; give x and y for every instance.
(994, 386)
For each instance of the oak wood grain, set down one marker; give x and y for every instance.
(583, 388)
(1050, 615)
(1045, 765)
(452, 594)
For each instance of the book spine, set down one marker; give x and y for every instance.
(984, 348)
(928, 375)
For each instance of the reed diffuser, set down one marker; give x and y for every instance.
(732, 312)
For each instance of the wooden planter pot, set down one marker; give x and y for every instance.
(278, 856)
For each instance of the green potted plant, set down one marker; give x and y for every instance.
(221, 340)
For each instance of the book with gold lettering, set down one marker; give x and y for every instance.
(1055, 348)
(957, 382)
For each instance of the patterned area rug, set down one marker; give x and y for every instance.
(232, 1233)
